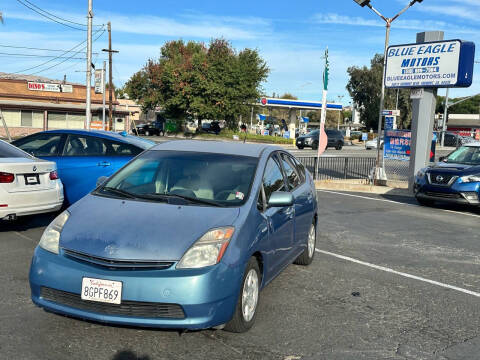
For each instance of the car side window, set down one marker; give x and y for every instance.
(293, 180)
(272, 178)
(40, 145)
(299, 166)
(80, 145)
(121, 149)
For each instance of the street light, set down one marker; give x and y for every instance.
(380, 170)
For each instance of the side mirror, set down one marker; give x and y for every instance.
(442, 158)
(280, 199)
(101, 180)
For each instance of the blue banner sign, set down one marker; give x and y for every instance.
(397, 145)
(437, 64)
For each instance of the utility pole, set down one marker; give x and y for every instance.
(88, 85)
(103, 94)
(444, 123)
(110, 77)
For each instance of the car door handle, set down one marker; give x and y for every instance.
(103, 163)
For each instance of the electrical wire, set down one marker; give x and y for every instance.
(35, 55)
(68, 58)
(51, 16)
(64, 53)
(31, 48)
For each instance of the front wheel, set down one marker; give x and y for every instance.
(147, 133)
(339, 146)
(300, 147)
(246, 308)
(306, 257)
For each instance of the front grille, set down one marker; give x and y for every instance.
(119, 264)
(441, 179)
(126, 308)
(442, 195)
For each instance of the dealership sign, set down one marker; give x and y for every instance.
(38, 86)
(431, 65)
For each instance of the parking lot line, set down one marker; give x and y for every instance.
(24, 236)
(396, 202)
(383, 268)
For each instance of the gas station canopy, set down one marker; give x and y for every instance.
(297, 104)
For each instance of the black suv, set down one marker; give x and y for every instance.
(154, 128)
(335, 139)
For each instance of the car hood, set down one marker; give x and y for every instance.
(138, 230)
(454, 169)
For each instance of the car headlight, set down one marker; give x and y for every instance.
(208, 250)
(470, 178)
(421, 172)
(51, 236)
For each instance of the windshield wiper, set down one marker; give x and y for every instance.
(119, 192)
(187, 198)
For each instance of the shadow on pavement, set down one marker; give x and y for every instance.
(27, 222)
(129, 355)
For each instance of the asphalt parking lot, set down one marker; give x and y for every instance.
(391, 280)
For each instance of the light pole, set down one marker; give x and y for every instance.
(380, 171)
(340, 97)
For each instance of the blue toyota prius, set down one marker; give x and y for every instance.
(184, 236)
(82, 156)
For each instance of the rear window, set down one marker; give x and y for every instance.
(9, 151)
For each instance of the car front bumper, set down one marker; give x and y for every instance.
(207, 296)
(458, 193)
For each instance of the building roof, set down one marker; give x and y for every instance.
(218, 147)
(34, 78)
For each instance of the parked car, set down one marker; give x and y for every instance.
(27, 185)
(212, 127)
(455, 179)
(335, 139)
(372, 144)
(250, 210)
(83, 155)
(152, 129)
(453, 139)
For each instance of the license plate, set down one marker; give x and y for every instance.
(32, 179)
(101, 290)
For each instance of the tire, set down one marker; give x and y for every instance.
(242, 321)
(315, 145)
(339, 146)
(425, 202)
(147, 133)
(300, 147)
(308, 254)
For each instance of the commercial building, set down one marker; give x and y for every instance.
(32, 103)
(463, 124)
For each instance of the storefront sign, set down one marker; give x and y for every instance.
(38, 86)
(435, 64)
(99, 81)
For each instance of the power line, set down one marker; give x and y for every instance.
(68, 58)
(31, 48)
(55, 16)
(35, 55)
(64, 53)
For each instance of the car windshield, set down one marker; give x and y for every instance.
(469, 155)
(197, 178)
(9, 151)
(314, 132)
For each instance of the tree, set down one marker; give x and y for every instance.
(193, 80)
(470, 106)
(365, 86)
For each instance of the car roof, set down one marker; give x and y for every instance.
(218, 147)
(121, 137)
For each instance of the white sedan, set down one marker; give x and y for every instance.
(27, 185)
(372, 144)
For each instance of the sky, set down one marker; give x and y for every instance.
(290, 35)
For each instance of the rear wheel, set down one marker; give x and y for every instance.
(306, 257)
(339, 146)
(315, 145)
(147, 133)
(246, 308)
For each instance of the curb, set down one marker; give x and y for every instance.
(361, 187)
